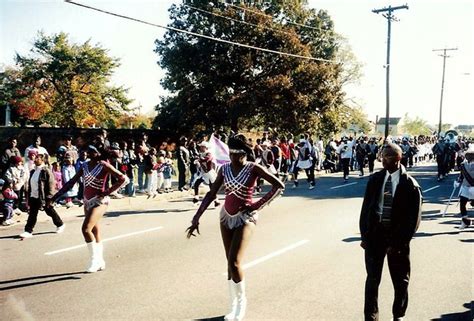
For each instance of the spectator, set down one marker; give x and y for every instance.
(9, 197)
(67, 149)
(183, 163)
(68, 172)
(17, 176)
(168, 172)
(150, 170)
(8, 153)
(36, 146)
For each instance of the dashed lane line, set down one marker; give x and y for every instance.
(105, 240)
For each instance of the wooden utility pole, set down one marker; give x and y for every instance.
(442, 86)
(388, 13)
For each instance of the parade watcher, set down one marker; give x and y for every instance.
(141, 152)
(193, 161)
(206, 171)
(94, 173)
(128, 165)
(8, 153)
(151, 172)
(41, 188)
(17, 176)
(285, 159)
(466, 181)
(67, 149)
(168, 172)
(68, 171)
(58, 175)
(183, 163)
(9, 198)
(36, 146)
(238, 215)
(389, 218)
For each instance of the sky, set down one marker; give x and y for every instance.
(415, 72)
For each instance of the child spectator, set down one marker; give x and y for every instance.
(9, 197)
(68, 172)
(58, 175)
(159, 171)
(17, 176)
(168, 172)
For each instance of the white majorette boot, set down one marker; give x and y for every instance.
(241, 300)
(95, 264)
(100, 252)
(233, 301)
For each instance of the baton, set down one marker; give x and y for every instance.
(449, 202)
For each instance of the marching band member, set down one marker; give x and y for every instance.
(466, 181)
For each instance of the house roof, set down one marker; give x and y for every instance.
(391, 121)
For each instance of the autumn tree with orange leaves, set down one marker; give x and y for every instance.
(64, 84)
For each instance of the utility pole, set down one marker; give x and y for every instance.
(442, 85)
(388, 13)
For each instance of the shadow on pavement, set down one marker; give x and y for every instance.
(417, 235)
(211, 319)
(459, 316)
(23, 282)
(16, 236)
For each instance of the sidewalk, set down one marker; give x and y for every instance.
(141, 201)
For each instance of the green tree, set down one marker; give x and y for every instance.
(214, 84)
(416, 126)
(66, 84)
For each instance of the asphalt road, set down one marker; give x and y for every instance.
(304, 261)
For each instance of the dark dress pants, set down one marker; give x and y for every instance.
(345, 166)
(182, 176)
(35, 206)
(399, 267)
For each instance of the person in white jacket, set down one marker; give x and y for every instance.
(466, 181)
(345, 151)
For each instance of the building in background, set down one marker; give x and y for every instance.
(394, 125)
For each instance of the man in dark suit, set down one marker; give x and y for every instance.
(389, 218)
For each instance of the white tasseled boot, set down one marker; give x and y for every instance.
(233, 301)
(241, 300)
(95, 264)
(100, 252)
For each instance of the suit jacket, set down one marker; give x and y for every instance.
(406, 210)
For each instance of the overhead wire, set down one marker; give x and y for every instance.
(256, 12)
(235, 20)
(198, 34)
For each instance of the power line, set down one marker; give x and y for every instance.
(198, 34)
(267, 15)
(235, 20)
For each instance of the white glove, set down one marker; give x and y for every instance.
(456, 184)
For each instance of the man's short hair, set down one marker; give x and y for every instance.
(392, 149)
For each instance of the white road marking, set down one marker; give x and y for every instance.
(272, 255)
(344, 185)
(105, 240)
(430, 189)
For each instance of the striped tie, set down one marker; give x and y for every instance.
(387, 203)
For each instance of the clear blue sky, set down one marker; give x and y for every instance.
(415, 69)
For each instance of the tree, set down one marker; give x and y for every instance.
(66, 84)
(214, 84)
(416, 126)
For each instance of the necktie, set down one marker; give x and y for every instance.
(387, 203)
